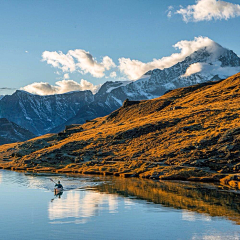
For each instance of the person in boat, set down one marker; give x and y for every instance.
(58, 185)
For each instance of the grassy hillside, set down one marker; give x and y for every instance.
(189, 133)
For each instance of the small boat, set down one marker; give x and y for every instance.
(58, 190)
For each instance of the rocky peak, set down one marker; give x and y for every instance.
(213, 54)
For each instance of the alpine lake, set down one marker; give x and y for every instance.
(104, 207)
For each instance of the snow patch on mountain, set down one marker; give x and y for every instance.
(119, 84)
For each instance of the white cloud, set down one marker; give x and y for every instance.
(169, 14)
(134, 69)
(85, 85)
(43, 88)
(211, 69)
(65, 62)
(108, 63)
(113, 74)
(26, 51)
(169, 11)
(78, 60)
(66, 76)
(206, 10)
(194, 68)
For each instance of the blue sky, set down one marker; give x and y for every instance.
(136, 29)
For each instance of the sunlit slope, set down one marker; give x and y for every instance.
(197, 126)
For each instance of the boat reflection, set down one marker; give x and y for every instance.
(57, 195)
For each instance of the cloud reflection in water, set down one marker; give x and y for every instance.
(81, 205)
(193, 216)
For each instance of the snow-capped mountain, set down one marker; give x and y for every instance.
(101, 106)
(11, 132)
(39, 114)
(206, 64)
(201, 66)
(42, 114)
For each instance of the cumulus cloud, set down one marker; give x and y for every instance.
(65, 62)
(134, 69)
(113, 74)
(66, 76)
(44, 88)
(78, 60)
(211, 69)
(85, 85)
(206, 10)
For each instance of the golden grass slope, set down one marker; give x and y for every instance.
(188, 133)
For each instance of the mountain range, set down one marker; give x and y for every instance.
(43, 114)
(190, 133)
(39, 114)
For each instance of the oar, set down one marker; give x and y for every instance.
(53, 199)
(52, 180)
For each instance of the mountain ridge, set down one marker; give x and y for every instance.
(208, 63)
(155, 83)
(41, 113)
(190, 133)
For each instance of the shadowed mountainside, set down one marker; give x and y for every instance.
(189, 133)
(38, 113)
(11, 132)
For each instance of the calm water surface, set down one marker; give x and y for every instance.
(114, 208)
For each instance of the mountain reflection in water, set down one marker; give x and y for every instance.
(194, 197)
(98, 207)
